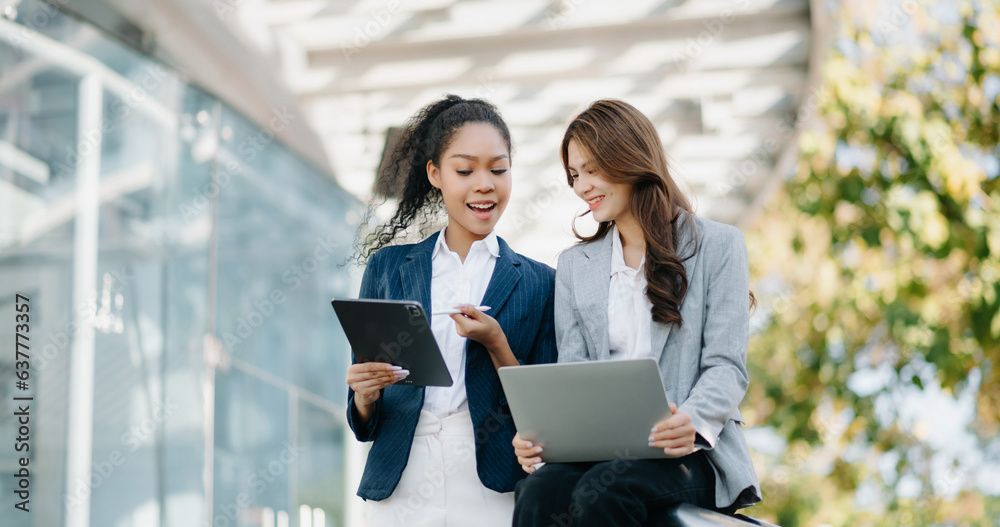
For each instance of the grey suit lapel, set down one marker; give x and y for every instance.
(593, 276)
(660, 332)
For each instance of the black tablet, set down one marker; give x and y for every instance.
(397, 332)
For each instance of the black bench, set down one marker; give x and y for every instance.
(687, 515)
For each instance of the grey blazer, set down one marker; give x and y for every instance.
(703, 362)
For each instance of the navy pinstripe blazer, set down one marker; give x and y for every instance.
(521, 296)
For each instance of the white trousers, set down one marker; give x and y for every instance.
(439, 486)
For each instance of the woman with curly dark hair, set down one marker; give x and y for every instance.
(443, 455)
(654, 281)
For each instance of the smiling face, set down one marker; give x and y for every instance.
(608, 201)
(474, 178)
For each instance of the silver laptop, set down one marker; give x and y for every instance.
(588, 411)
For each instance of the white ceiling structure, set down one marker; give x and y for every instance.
(716, 77)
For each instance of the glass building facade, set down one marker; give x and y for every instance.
(185, 364)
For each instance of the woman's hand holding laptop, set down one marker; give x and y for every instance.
(527, 453)
(367, 380)
(675, 434)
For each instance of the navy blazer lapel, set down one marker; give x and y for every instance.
(593, 274)
(505, 276)
(415, 273)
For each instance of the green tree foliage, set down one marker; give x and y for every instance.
(878, 265)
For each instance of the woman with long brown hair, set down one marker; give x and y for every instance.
(653, 281)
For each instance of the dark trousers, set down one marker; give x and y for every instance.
(620, 492)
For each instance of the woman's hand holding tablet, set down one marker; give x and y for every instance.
(367, 379)
(394, 333)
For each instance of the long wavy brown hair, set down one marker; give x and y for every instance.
(624, 146)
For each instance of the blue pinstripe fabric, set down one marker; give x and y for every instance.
(521, 295)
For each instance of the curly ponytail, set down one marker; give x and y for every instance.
(426, 137)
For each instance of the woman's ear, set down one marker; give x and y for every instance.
(434, 174)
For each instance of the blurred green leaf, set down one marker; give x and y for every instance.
(885, 248)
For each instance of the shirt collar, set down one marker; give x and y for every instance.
(618, 256)
(489, 243)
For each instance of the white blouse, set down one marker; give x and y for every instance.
(455, 282)
(630, 313)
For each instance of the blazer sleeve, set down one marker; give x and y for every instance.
(570, 342)
(366, 431)
(722, 380)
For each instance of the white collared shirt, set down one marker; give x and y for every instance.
(630, 313)
(455, 282)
